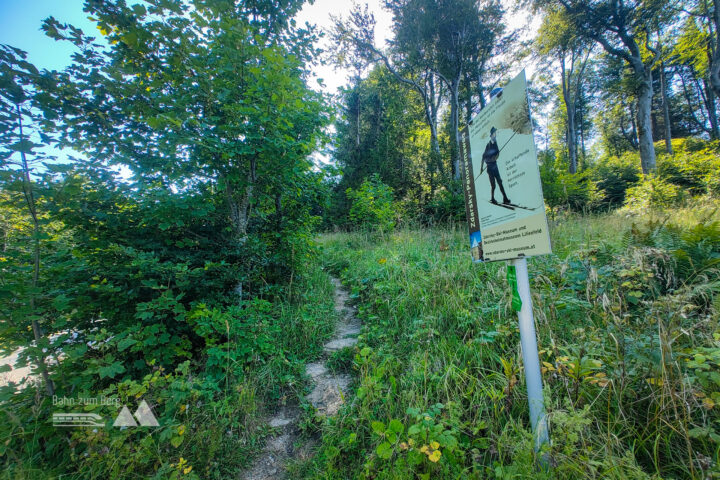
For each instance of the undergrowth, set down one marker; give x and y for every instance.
(211, 409)
(626, 313)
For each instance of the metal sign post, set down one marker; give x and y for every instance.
(531, 359)
(509, 229)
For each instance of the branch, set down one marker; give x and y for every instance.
(612, 50)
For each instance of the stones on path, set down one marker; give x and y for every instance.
(328, 395)
(316, 369)
(339, 344)
(330, 390)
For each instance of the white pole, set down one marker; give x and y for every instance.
(531, 359)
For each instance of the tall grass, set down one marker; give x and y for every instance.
(629, 345)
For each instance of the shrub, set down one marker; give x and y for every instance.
(372, 205)
(695, 166)
(614, 175)
(575, 191)
(652, 193)
(448, 204)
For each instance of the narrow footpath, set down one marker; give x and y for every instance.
(327, 397)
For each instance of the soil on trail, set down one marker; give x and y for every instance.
(327, 397)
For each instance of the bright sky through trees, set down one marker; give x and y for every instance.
(20, 26)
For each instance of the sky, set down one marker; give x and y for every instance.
(20, 22)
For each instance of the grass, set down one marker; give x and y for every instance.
(628, 341)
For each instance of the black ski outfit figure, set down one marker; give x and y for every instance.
(490, 158)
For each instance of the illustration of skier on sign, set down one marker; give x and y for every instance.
(489, 158)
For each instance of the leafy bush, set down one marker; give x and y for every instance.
(695, 166)
(562, 189)
(372, 205)
(652, 193)
(448, 204)
(614, 175)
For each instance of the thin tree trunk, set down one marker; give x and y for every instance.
(691, 109)
(634, 131)
(582, 138)
(481, 92)
(454, 128)
(278, 211)
(431, 112)
(666, 109)
(710, 105)
(468, 100)
(357, 118)
(644, 123)
(715, 63)
(30, 200)
(570, 111)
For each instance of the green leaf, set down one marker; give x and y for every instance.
(110, 371)
(384, 450)
(176, 441)
(139, 10)
(396, 426)
(125, 343)
(699, 432)
(378, 427)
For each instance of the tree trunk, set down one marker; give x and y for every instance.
(688, 99)
(481, 92)
(30, 200)
(468, 100)
(239, 208)
(712, 114)
(572, 143)
(644, 123)
(583, 164)
(431, 113)
(357, 118)
(278, 211)
(666, 109)
(454, 128)
(570, 111)
(715, 63)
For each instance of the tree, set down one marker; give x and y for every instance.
(388, 137)
(356, 45)
(452, 38)
(624, 29)
(434, 41)
(691, 57)
(558, 40)
(18, 156)
(711, 10)
(149, 104)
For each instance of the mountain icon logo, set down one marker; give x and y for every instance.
(143, 415)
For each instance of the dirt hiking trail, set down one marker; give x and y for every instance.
(327, 397)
